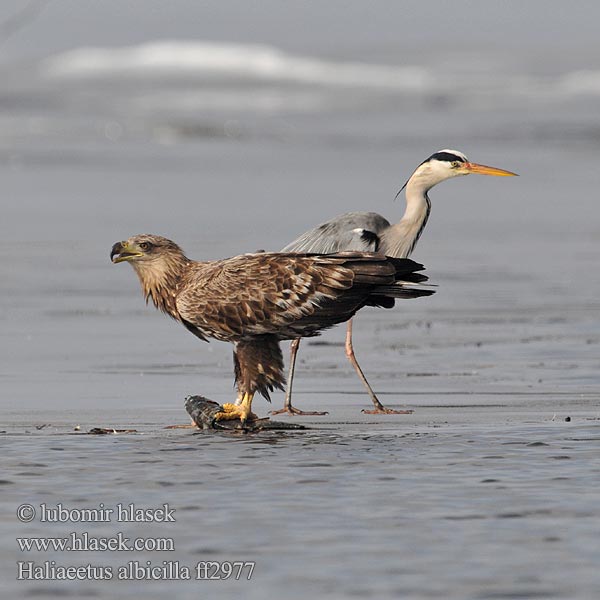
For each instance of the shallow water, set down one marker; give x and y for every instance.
(484, 492)
(416, 507)
(489, 490)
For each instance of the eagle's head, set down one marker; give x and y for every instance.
(144, 248)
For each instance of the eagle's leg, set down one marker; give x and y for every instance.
(242, 411)
(287, 405)
(379, 409)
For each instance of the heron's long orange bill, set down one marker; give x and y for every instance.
(484, 170)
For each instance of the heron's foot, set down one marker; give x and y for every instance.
(386, 411)
(231, 412)
(292, 410)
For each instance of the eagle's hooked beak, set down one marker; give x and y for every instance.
(122, 251)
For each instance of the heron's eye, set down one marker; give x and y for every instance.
(145, 246)
(456, 164)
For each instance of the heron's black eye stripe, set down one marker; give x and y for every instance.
(447, 156)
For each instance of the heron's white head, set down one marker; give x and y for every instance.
(445, 164)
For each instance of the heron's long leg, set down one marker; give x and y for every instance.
(287, 405)
(379, 408)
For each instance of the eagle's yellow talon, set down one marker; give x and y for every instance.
(242, 411)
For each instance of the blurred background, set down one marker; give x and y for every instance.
(231, 126)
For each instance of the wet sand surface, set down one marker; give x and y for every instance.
(486, 491)
(476, 500)
(489, 490)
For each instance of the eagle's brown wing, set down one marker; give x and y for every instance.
(288, 295)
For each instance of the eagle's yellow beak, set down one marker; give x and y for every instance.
(122, 251)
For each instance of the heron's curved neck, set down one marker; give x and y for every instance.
(400, 239)
(160, 280)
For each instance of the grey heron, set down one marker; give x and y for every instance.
(369, 231)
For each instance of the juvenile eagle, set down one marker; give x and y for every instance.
(257, 300)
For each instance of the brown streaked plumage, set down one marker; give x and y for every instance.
(257, 300)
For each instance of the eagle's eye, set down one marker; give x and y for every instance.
(145, 246)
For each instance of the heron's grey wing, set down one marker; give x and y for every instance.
(351, 231)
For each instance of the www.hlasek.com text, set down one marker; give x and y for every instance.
(84, 542)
